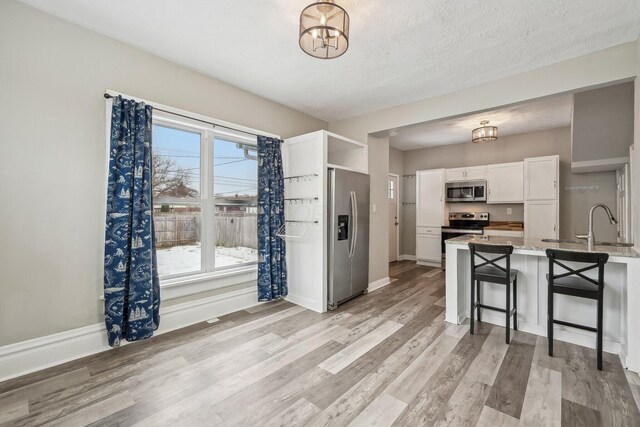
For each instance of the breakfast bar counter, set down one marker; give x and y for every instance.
(621, 293)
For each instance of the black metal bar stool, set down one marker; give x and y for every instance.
(491, 271)
(573, 283)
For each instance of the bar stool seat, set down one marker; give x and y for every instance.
(488, 274)
(574, 286)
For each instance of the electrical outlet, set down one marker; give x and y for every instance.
(509, 211)
(374, 208)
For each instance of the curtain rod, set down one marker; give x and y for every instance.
(109, 96)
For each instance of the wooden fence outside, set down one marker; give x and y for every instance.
(232, 229)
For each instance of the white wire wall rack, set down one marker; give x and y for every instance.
(296, 200)
(409, 176)
(295, 228)
(305, 177)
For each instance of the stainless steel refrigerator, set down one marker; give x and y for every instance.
(348, 212)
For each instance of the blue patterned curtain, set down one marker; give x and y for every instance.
(272, 269)
(131, 285)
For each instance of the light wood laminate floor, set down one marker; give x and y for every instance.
(385, 359)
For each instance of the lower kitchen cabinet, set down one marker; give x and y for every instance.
(429, 246)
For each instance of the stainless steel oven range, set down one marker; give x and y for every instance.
(461, 223)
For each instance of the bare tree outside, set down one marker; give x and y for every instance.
(171, 179)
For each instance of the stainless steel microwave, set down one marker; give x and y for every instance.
(466, 191)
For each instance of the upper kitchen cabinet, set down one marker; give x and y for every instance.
(541, 178)
(453, 175)
(505, 183)
(345, 153)
(430, 198)
(474, 173)
(602, 128)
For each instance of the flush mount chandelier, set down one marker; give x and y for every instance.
(484, 133)
(324, 30)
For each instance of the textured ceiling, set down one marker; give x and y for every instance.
(400, 50)
(544, 114)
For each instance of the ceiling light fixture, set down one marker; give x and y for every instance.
(484, 133)
(324, 30)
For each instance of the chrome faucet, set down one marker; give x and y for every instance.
(590, 238)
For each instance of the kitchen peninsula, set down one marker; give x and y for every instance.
(621, 296)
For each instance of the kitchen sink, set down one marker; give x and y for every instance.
(581, 242)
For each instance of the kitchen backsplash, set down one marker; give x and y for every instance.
(496, 212)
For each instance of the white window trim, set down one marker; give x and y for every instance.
(177, 286)
(206, 201)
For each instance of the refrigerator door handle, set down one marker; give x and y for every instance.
(354, 226)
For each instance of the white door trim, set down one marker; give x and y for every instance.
(398, 192)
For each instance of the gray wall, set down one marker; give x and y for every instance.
(396, 161)
(53, 157)
(603, 123)
(574, 205)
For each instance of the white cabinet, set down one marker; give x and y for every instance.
(474, 173)
(541, 178)
(430, 198)
(429, 216)
(505, 183)
(429, 248)
(541, 219)
(453, 175)
(541, 192)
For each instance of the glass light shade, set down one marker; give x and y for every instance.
(484, 133)
(324, 30)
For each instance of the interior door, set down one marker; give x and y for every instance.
(392, 196)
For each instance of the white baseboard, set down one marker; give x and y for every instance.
(40, 353)
(407, 258)
(305, 302)
(430, 264)
(379, 284)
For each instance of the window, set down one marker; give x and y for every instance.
(390, 190)
(205, 198)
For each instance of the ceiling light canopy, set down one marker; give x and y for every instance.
(324, 30)
(484, 133)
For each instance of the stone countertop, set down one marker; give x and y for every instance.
(539, 245)
(505, 225)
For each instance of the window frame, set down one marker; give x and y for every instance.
(206, 200)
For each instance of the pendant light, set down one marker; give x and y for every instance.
(324, 30)
(484, 133)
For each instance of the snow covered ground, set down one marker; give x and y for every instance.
(185, 259)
